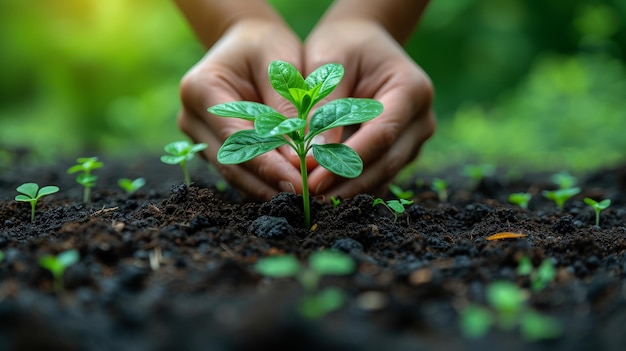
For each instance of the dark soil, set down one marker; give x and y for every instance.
(171, 268)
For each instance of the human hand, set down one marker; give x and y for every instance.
(236, 69)
(377, 67)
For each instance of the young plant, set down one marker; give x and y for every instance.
(520, 199)
(272, 129)
(396, 207)
(316, 302)
(507, 310)
(181, 152)
(400, 193)
(597, 206)
(559, 196)
(440, 186)
(564, 180)
(30, 192)
(85, 165)
(335, 201)
(58, 264)
(131, 185)
(539, 277)
(476, 173)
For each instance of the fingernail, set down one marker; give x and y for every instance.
(286, 186)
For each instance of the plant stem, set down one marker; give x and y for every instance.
(86, 194)
(32, 211)
(183, 165)
(305, 190)
(597, 218)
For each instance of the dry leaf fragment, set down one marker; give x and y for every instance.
(506, 235)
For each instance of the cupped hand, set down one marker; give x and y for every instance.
(235, 69)
(377, 67)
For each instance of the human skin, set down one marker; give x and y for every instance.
(365, 36)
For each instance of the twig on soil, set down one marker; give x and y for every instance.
(103, 211)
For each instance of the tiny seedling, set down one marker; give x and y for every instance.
(30, 192)
(476, 173)
(564, 180)
(316, 302)
(58, 264)
(507, 309)
(272, 129)
(400, 193)
(541, 276)
(335, 201)
(396, 207)
(520, 199)
(597, 206)
(440, 186)
(559, 196)
(131, 185)
(85, 165)
(181, 152)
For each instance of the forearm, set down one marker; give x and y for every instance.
(211, 18)
(398, 17)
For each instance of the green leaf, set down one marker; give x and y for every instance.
(322, 303)
(24, 198)
(339, 159)
(172, 160)
(247, 110)
(278, 266)
(328, 262)
(86, 180)
(475, 321)
(272, 124)
(535, 326)
(177, 148)
(245, 145)
(284, 76)
(196, 148)
(324, 80)
(47, 190)
(343, 112)
(29, 189)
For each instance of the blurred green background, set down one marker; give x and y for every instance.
(532, 84)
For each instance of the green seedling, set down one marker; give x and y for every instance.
(597, 206)
(396, 207)
(440, 186)
(316, 303)
(85, 165)
(221, 185)
(181, 152)
(30, 192)
(131, 185)
(272, 129)
(520, 199)
(400, 193)
(506, 310)
(541, 276)
(335, 201)
(559, 196)
(476, 173)
(564, 180)
(58, 264)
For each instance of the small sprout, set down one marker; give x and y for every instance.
(396, 207)
(400, 193)
(520, 199)
(540, 277)
(440, 186)
(85, 165)
(564, 180)
(598, 206)
(30, 192)
(221, 185)
(476, 173)
(130, 185)
(560, 196)
(316, 302)
(335, 201)
(181, 152)
(58, 264)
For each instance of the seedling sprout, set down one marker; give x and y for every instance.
(85, 165)
(559, 196)
(541, 276)
(30, 192)
(58, 264)
(181, 152)
(520, 199)
(131, 185)
(272, 129)
(564, 180)
(597, 207)
(316, 302)
(476, 173)
(396, 207)
(440, 186)
(335, 201)
(400, 193)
